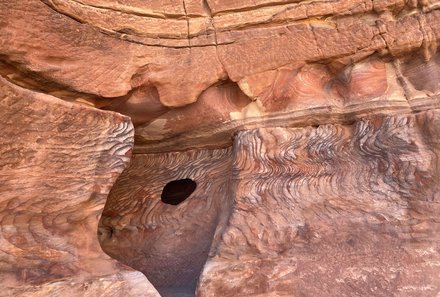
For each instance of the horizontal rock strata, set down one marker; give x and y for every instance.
(237, 60)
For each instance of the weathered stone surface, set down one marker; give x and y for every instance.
(58, 162)
(313, 94)
(168, 243)
(310, 127)
(337, 210)
(144, 58)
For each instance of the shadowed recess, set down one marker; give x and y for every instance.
(168, 244)
(176, 191)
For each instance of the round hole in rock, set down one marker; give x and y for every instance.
(177, 191)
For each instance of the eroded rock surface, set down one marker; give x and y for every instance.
(150, 59)
(58, 162)
(309, 127)
(168, 243)
(334, 210)
(338, 210)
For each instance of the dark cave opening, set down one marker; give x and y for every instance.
(177, 191)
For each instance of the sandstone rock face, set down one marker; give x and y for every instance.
(148, 59)
(354, 206)
(168, 243)
(281, 148)
(58, 162)
(334, 210)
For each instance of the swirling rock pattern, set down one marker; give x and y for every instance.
(58, 162)
(310, 127)
(337, 210)
(315, 93)
(334, 210)
(168, 243)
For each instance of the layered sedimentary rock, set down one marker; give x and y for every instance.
(354, 206)
(58, 162)
(311, 95)
(168, 243)
(143, 59)
(334, 210)
(282, 148)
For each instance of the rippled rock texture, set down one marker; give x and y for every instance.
(58, 162)
(333, 210)
(280, 147)
(168, 243)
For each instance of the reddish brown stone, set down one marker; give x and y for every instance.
(337, 210)
(58, 162)
(310, 128)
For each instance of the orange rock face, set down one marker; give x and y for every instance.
(337, 210)
(280, 148)
(58, 162)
